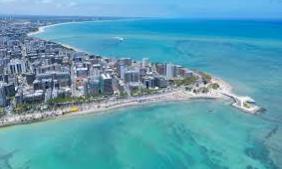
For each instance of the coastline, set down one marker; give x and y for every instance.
(42, 29)
(107, 107)
(177, 94)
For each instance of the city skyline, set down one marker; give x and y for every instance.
(126, 8)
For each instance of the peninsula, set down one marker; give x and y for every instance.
(42, 80)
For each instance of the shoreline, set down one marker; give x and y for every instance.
(105, 107)
(176, 94)
(108, 106)
(42, 29)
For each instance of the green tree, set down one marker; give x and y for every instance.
(206, 77)
(2, 112)
(214, 86)
(22, 108)
(186, 81)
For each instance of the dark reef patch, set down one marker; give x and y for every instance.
(260, 153)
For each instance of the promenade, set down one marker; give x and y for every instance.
(178, 94)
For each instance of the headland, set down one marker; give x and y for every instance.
(54, 80)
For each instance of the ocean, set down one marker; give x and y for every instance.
(192, 135)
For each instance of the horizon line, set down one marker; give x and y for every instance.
(141, 17)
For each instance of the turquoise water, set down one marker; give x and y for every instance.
(196, 134)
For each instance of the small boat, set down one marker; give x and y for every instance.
(118, 38)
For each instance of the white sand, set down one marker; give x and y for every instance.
(103, 107)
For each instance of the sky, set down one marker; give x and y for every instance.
(146, 8)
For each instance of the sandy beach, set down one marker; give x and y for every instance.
(173, 95)
(108, 105)
(43, 28)
(40, 30)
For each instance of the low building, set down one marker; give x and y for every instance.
(10, 89)
(63, 79)
(82, 72)
(43, 84)
(149, 82)
(134, 86)
(33, 96)
(64, 92)
(30, 77)
(161, 82)
(4, 78)
(125, 61)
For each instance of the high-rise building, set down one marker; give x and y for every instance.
(170, 71)
(122, 69)
(161, 69)
(93, 86)
(17, 66)
(95, 70)
(132, 76)
(106, 84)
(126, 61)
(3, 97)
(145, 62)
